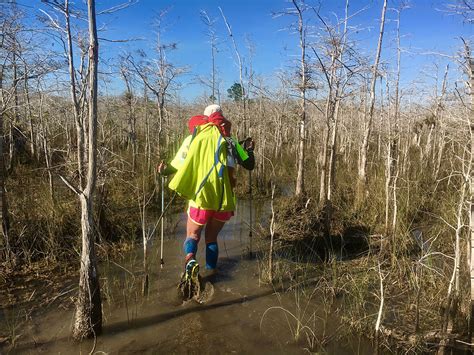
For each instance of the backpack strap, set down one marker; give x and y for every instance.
(216, 161)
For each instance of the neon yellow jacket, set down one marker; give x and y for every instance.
(202, 176)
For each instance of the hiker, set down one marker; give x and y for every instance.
(204, 175)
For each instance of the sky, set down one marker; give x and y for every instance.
(426, 29)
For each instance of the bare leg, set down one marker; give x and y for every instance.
(213, 227)
(193, 230)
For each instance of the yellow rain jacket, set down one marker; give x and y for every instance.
(202, 176)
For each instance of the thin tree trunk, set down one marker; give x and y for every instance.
(302, 123)
(362, 173)
(4, 216)
(75, 101)
(13, 120)
(161, 104)
(439, 102)
(378, 323)
(145, 245)
(324, 160)
(47, 155)
(132, 138)
(241, 77)
(147, 131)
(29, 114)
(88, 316)
(272, 234)
(395, 139)
(453, 287)
(471, 197)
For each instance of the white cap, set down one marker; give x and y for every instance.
(211, 109)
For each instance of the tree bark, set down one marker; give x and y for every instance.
(4, 216)
(427, 152)
(471, 197)
(29, 113)
(302, 123)
(88, 316)
(13, 120)
(75, 100)
(147, 131)
(362, 173)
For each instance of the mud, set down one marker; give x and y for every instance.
(233, 315)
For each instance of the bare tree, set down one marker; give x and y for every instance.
(337, 74)
(243, 94)
(77, 86)
(464, 8)
(7, 39)
(470, 181)
(131, 118)
(393, 156)
(212, 36)
(362, 173)
(158, 75)
(5, 225)
(88, 316)
(302, 29)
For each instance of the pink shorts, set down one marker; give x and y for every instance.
(201, 217)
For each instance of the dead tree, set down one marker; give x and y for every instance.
(434, 118)
(43, 136)
(88, 314)
(301, 28)
(13, 121)
(211, 34)
(337, 76)
(78, 118)
(5, 225)
(6, 96)
(362, 172)
(131, 118)
(159, 75)
(393, 155)
(470, 179)
(77, 86)
(304, 82)
(147, 129)
(243, 94)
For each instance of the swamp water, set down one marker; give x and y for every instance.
(237, 319)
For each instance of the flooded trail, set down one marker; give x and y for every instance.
(232, 321)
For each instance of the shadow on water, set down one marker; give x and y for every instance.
(136, 324)
(160, 318)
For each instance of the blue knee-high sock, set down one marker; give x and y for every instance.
(190, 248)
(212, 253)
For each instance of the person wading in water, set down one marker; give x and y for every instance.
(204, 174)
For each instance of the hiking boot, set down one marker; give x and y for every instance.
(190, 285)
(191, 271)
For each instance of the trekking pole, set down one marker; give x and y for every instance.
(161, 215)
(162, 219)
(250, 215)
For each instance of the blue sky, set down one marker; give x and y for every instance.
(425, 28)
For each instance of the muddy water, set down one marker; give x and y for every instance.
(237, 319)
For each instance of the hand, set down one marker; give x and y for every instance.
(161, 167)
(249, 144)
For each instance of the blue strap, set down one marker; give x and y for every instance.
(216, 161)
